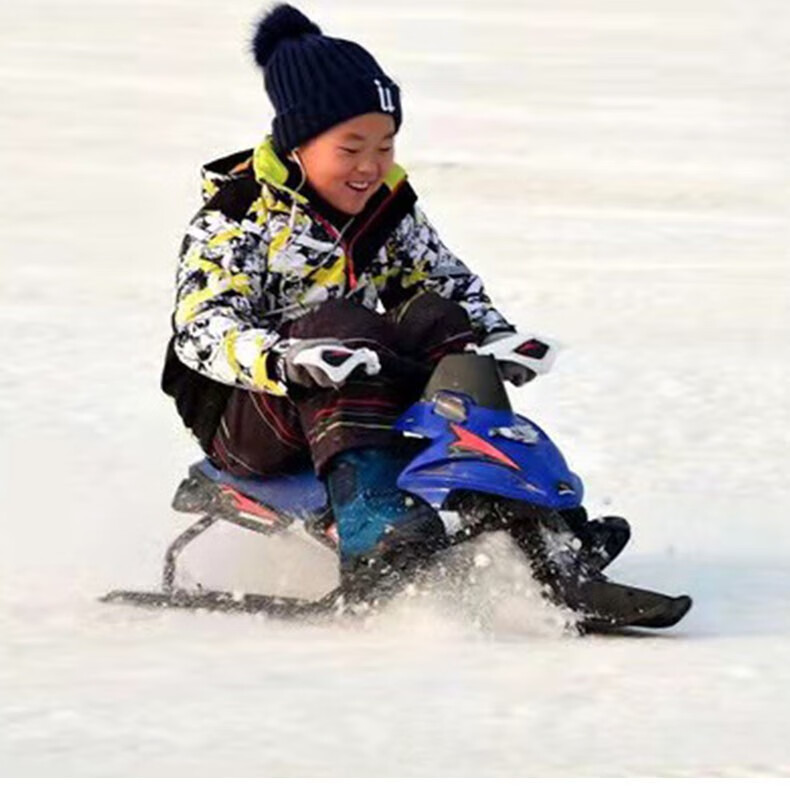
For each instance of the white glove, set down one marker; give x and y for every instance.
(517, 374)
(326, 363)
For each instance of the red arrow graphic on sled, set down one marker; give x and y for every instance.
(467, 441)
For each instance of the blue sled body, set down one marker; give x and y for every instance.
(466, 447)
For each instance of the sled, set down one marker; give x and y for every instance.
(474, 461)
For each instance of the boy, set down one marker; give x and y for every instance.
(299, 244)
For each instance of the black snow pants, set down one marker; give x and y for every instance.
(262, 434)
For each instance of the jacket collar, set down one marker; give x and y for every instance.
(263, 166)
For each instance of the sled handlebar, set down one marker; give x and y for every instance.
(537, 353)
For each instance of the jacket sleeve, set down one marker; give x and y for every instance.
(218, 332)
(418, 259)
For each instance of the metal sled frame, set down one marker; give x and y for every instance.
(218, 501)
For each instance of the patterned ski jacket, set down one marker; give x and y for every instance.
(260, 253)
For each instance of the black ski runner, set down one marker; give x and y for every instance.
(572, 579)
(213, 601)
(607, 606)
(603, 606)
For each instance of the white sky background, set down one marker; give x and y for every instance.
(617, 170)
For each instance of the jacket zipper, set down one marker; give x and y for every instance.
(338, 236)
(348, 247)
(350, 250)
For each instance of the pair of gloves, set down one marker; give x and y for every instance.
(327, 363)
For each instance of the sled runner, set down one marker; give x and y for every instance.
(475, 461)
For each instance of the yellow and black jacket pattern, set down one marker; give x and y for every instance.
(262, 252)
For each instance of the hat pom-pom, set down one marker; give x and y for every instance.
(282, 22)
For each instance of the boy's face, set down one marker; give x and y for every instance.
(347, 163)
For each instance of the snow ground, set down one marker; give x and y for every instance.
(619, 173)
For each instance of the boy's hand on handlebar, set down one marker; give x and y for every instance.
(516, 374)
(326, 363)
(520, 356)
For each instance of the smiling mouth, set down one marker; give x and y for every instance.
(359, 186)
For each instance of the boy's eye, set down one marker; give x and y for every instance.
(385, 149)
(349, 150)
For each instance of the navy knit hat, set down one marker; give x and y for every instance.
(315, 82)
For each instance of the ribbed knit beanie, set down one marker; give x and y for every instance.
(314, 81)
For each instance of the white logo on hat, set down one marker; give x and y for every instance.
(385, 97)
